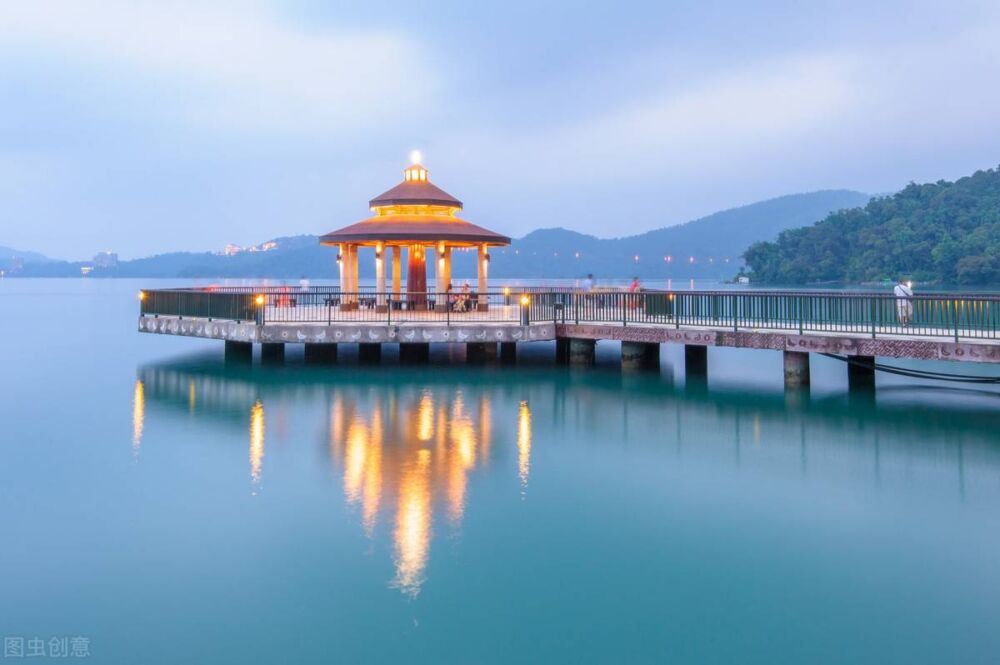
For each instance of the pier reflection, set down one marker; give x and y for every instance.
(410, 450)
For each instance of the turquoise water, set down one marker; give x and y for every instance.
(171, 509)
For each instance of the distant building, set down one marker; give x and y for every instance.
(86, 269)
(106, 260)
(231, 250)
(742, 279)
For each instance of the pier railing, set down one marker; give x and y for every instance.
(958, 316)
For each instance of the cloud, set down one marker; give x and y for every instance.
(727, 119)
(227, 67)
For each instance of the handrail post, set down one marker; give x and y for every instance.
(955, 316)
(736, 321)
(874, 309)
(801, 300)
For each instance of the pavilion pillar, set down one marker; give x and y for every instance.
(447, 268)
(482, 265)
(342, 266)
(396, 272)
(441, 278)
(380, 298)
(416, 277)
(354, 274)
(348, 287)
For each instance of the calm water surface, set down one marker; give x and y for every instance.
(172, 509)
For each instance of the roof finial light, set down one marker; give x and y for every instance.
(415, 157)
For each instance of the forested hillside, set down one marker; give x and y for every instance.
(945, 232)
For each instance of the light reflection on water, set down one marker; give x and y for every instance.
(408, 445)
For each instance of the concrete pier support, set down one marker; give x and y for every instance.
(562, 350)
(239, 352)
(796, 369)
(480, 352)
(320, 354)
(582, 351)
(369, 353)
(640, 356)
(861, 373)
(695, 361)
(414, 353)
(272, 353)
(508, 353)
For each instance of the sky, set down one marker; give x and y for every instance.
(146, 127)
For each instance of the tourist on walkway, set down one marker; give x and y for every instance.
(633, 290)
(904, 302)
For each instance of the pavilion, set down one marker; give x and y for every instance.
(418, 216)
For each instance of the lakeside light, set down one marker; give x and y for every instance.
(142, 296)
(415, 157)
(525, 300)
(259, 300)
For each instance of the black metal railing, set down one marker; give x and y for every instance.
(959, 316)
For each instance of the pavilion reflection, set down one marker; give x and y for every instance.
(410, 451)
(256, 443)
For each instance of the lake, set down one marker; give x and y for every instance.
(163, 507)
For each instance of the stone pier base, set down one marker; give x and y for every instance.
(861, 373)
(272, 354)
(695, 361)
(480, 352)
(320, 354)
(369, 353)
(562, 350)
(414, 353)
(239, 352)
(796, 369)
(640, 356)
(582, 351)
(508, 353)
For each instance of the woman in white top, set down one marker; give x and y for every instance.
(904, 302)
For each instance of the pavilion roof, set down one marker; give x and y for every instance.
(428, 229)
(415, 192)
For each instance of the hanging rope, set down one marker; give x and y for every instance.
(916, 373)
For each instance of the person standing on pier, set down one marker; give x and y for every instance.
(633, 290)
(904, 302)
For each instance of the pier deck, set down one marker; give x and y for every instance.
(961, 327)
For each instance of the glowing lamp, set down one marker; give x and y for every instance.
(142, 296)
(636, 257)
(506, 290)
(525, 300)
(909, 285)
(415, 157)
(259, 300)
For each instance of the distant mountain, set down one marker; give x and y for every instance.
(715, 242)
(942, 232)
(13, 259)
